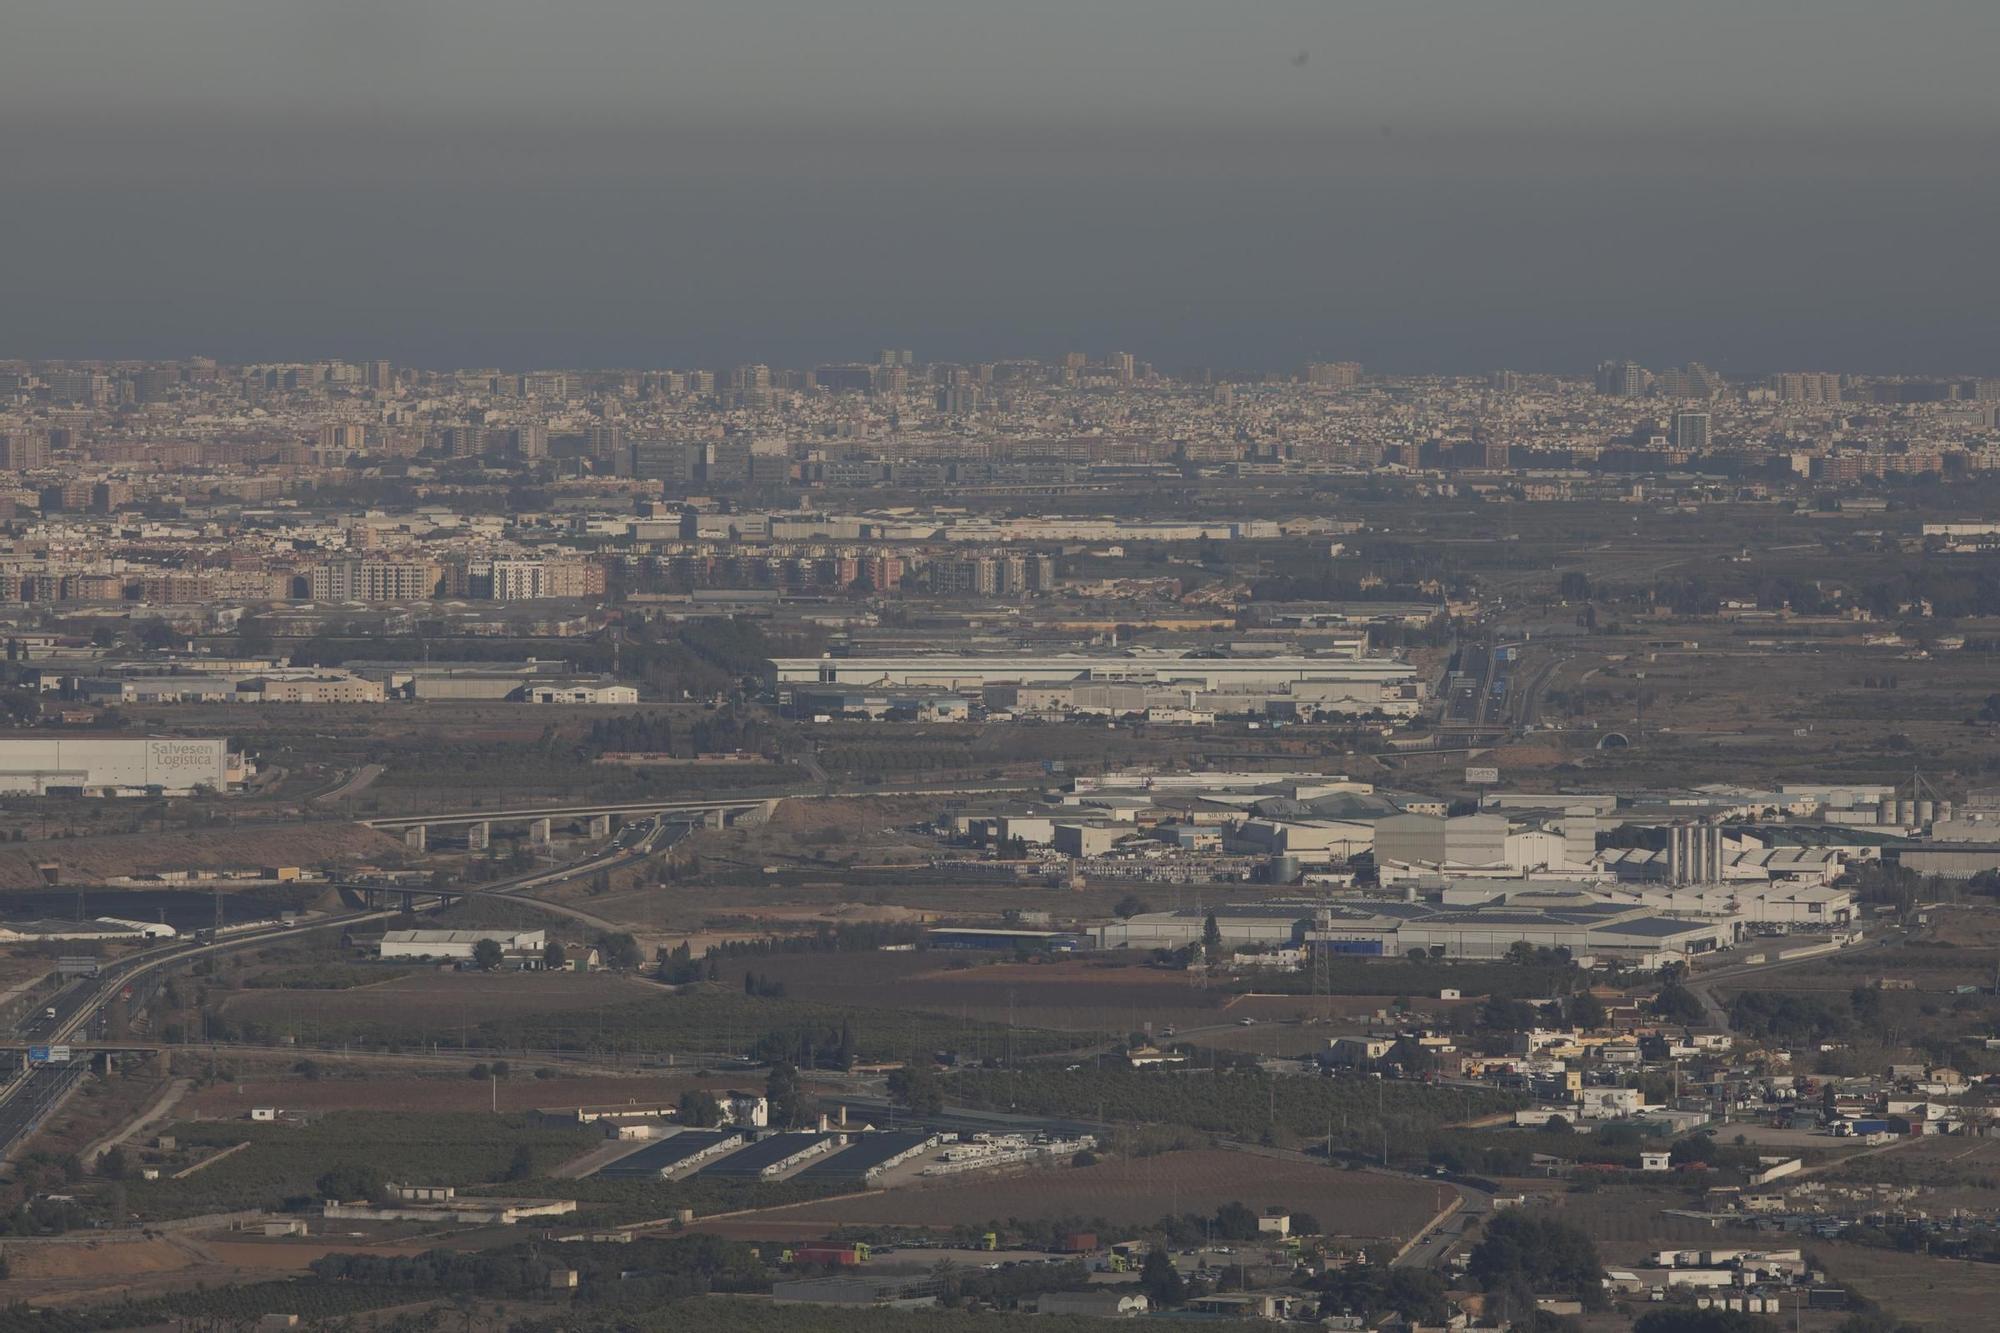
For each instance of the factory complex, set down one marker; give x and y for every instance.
(1161, 684)
(1466, 920)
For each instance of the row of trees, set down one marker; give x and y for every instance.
(644, 1273)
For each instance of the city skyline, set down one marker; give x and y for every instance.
(1655, 379)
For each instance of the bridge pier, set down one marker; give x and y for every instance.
(538, 835)
(714, 819)
(416, 838)
(600, 826)
(478, 837)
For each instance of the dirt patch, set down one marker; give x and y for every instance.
(1629, 1223)
(1963, 926)
(90, 859)
(1512, 758)
(858, 815)
(1937, 1293)
(96, 1259)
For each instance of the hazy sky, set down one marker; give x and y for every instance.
(1531, 183)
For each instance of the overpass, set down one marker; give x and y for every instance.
(540, 820)
(635, 842)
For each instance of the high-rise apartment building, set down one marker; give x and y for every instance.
(343, 438)
(676, 463)
(548, 384)
(1333, 374)
(87, 387)
(1808, 386)
(844, 379)
(958, 399)
(373, 581)
(155, 384)
(1622, 379)
(517, 580)
(726, 462)
(1694, 380)
(1691, 431)
(463, 441)
(530, 441)
(21, 450)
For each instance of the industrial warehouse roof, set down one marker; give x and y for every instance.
(1521, 916)
(1364, 910)
(1661, 927)
(1617, 917)
(454, 936)
(1335, 805)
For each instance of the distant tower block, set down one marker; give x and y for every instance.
(538, 833)
(600, 826)
(414, 838)
(478, 837)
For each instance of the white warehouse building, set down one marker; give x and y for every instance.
(114, 765)
(458, 944)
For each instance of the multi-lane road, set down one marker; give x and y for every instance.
(31, 1097)
(76, 1011)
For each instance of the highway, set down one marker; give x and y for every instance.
(79, 1009)
(42, 1023)
(1435, 1243)
(30, 1098)
(79, 1006)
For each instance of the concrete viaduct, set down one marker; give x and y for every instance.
(478, 824)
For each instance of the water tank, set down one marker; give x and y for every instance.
(1944, 809)
(1885, 811)
(1926, 812)
(1906, 812)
